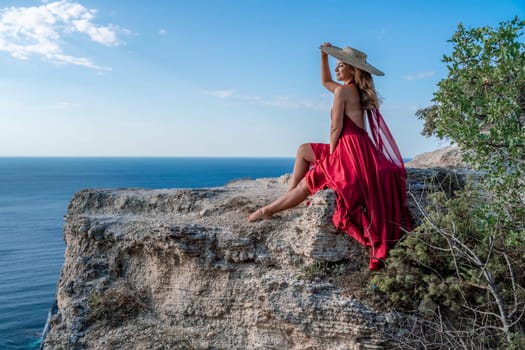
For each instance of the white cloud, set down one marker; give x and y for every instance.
(408, 109)
(163, 31)
(420, 75)
(222, 93)
(62, 106)
(38, 31)
(275, 101)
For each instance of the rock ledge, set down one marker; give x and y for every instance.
(181, 269)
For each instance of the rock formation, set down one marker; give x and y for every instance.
(447, 157)
(182, 269)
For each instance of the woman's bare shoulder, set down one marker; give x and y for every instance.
(346, 91)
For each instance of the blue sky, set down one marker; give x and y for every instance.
(212, 78)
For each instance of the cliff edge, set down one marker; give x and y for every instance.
(446, 157)
(182, 269)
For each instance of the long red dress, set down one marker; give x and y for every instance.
(369, 179)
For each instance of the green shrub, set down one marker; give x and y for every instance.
(466, 261)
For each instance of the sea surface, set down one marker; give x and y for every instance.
(34, 195)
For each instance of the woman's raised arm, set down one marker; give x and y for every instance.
(326, 76)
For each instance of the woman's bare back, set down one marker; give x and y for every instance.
(353, 109)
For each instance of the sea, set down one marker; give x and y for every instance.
(34, 196)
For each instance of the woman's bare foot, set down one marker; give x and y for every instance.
(259, 214)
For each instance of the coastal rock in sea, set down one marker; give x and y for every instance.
(182, 269)
(447, 157)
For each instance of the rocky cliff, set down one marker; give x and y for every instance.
(182, 269)
(447, 157)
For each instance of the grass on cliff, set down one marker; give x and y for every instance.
(351, 276)
(114, 306)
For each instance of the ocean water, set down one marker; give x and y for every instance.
(34, 195)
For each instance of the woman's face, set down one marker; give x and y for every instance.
(343, 71)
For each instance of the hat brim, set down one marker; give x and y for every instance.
(338, 53)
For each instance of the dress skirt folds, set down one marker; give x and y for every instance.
(366, 172)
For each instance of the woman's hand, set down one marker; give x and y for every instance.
(326, 76)
(322, 45)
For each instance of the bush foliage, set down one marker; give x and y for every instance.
(464, 267)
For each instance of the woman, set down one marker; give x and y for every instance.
(365, 171)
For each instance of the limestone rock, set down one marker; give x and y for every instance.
(182, 269)
(447, 157)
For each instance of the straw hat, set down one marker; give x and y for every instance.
(351, 56)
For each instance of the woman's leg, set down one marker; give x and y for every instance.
(304, 157)
(289, 200)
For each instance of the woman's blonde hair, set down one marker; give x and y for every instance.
(365, 83)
